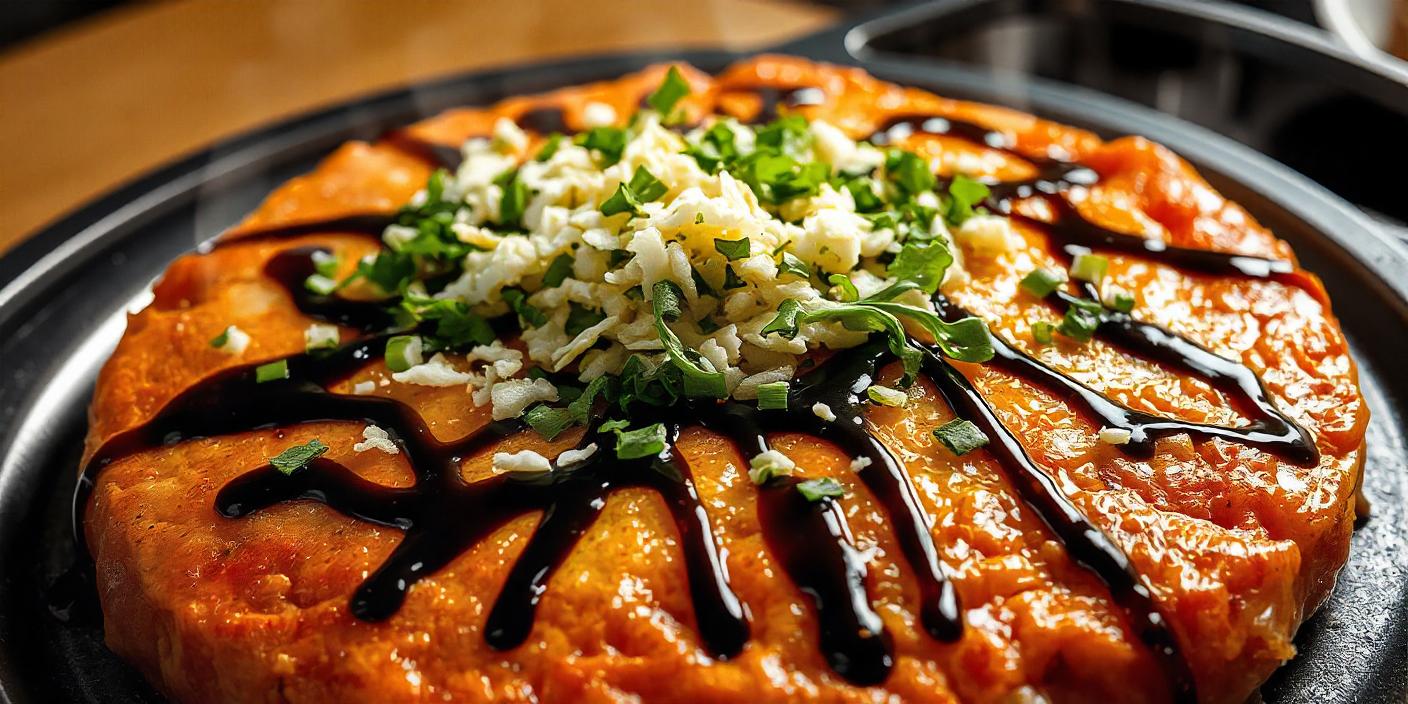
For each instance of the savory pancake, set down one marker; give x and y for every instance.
(783, 384)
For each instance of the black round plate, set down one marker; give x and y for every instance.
(64, 295)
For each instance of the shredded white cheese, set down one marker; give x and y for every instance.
(375, 438)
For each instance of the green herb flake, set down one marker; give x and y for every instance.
(273, 371)
(1042, 282)
(909, 172)
(558, 271)
(960, 436)
(641, 442)
(517, 300)
(733, 250)
(1079, 324)
(298, 456)
(696, 382)
(817, 489)
(673, 89)
(549, 147)
(772, 396)
(222, 339)
(792, 264)
(923, 264)
(549, 422)
(849, 294)
(785, 324)
(580, 318)
(607, 142)
(514, 200)
(963, 194)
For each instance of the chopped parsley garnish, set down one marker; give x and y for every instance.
(671, 91)
(792, 264)
(273, 371)
(666, 300)
(715, 148)
(963, 194)
(960, 436)
(607, 142)
(517, 301)
(922, 264)
(849, 294)
(732, 250)
(817, 489)
(643, 188)
(549, 422)
(785, 324)
(580, 318)
(909, 172)
(298, 456)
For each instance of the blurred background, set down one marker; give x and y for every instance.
(95, 93)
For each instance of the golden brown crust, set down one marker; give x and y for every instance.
(1236, 545)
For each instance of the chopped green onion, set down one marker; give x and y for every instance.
(733, 250)
(887, 396)
(1089, 267)
(960, 436)
(849, 294)
(320, 336)
(785, 324)
(1079, 324)
(514, 200)
(273, 371)
(324, 262)
(558, 271)
(1122, 301)
(298, 456)
(1041, 282)
(319, 284)
(403, 352)
(670, 92)
(1042, 332)
(641, 442)
(818, 489)
(549, 147)
(766, 466)
(772, 396)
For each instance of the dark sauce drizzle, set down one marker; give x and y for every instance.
(811, 540)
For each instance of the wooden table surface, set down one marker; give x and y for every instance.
(86, 108)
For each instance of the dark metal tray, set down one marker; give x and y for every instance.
(64, 294)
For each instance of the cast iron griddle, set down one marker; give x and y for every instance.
(64, 294)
